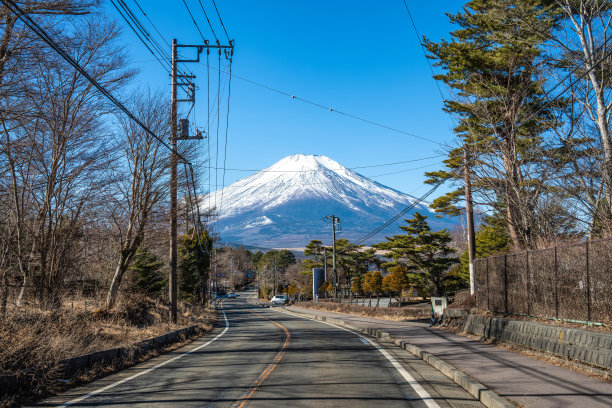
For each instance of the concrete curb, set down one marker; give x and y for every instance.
(488, 397)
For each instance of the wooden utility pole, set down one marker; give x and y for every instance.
(325, 263)
(173, 190)
(334, 220)
(334, 256)
(469, 213)
(186, 83)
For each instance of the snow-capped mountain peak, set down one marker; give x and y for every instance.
(293, 195)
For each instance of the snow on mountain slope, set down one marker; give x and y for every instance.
(284, 204)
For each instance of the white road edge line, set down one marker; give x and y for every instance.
(148, 370)
(416, 386)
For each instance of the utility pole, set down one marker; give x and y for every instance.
(469, 213)
(173, 189)
(325, 263)
(186, 81)
(274, 278)
(334, 220)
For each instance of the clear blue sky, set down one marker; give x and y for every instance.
(359, 57)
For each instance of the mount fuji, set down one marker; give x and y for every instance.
(284, 205)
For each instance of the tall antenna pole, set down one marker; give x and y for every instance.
(173, 190)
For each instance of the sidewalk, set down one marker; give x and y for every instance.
(527, 382)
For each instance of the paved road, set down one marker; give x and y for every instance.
(265, 357)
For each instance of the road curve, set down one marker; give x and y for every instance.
(262, 357)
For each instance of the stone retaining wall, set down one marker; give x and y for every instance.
(584, 346)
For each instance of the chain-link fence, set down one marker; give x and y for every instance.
(571, 281)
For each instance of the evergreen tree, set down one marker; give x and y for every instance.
(491, 239)
(421, 250)
(314, 253)
(147, 275)
(494, 63)
(194, 265)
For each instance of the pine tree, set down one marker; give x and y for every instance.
(495, 67)
(147, 275)
(194, 265)
(421, 250)
(491, 239)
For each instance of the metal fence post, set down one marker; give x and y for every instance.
(527, 281)
(556, 285)
(588, 282)
(488, 287)
(506, 284)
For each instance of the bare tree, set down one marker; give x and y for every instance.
(583, 43)
(142, 182)
(55, 151)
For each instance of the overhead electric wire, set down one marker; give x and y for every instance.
(208, 20)
(371, 122)
(136, 32)
(194, 21)
(398, 215)
(220, 19)
(31, 24)
(416, 31)
(403, 171)
(145, 37)
(217, 134)
(345, 168)
(390, 221)
(208, 130)
(151, 22)
(229, 93)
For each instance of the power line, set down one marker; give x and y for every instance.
(229, 93)
(31, 24)
(371, 122)
(193, 19)
(400, 214)
(220, 19)
(416, 31)
(207, 19)
(145, 37)
(339, 169)
(390, 221)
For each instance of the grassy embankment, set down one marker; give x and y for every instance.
(34, 340)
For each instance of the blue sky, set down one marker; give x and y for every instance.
(359, 57)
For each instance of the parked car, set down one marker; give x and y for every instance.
(232, 295)
(279, 300)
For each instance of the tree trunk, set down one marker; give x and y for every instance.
(377, 300)
(370, 305)
(122, 266)
(4, 294)
(389, 300)
(22, 290)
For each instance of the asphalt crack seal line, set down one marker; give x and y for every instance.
(265, 373)
(113, 385)
(416, 386)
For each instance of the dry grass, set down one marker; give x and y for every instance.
(33, 340)
(389, 313)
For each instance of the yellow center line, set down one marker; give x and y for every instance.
(262, 377)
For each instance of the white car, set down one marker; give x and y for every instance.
(279, 300)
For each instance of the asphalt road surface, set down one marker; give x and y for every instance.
(260, 357)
